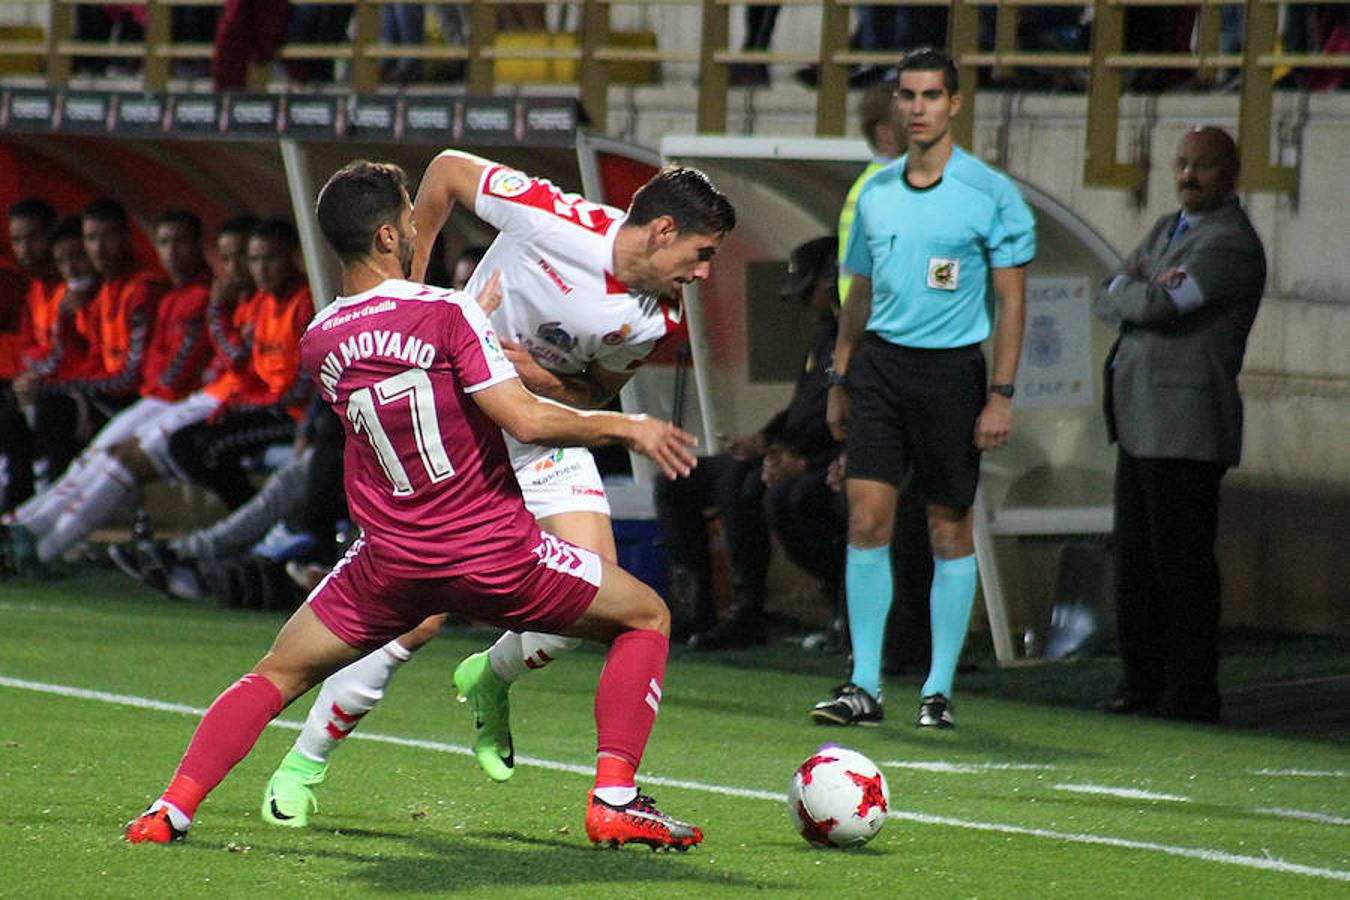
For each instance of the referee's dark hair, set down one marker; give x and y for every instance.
(688, 197)
(356, 201)
(930, 59)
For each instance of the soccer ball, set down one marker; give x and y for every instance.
(838, 798)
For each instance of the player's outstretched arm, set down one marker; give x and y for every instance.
(536, 420)
(451, 178)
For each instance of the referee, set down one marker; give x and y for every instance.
(933, 233)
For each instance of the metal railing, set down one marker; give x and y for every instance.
(594, 51)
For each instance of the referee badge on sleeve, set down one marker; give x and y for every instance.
(944, 274)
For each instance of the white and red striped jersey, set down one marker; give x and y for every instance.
(560, 298)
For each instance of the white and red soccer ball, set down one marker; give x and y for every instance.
(838, 798)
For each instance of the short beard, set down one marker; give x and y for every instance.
(405, 256)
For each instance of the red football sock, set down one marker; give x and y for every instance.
(629, 694)
(225, 735)
(610, 771)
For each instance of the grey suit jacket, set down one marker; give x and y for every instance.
(1171, 378)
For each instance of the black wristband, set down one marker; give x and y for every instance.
(836, 379)
(1003, 390)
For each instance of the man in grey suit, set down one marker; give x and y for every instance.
(1184, 303)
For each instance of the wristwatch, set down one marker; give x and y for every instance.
(1003, 390)
(836, 379)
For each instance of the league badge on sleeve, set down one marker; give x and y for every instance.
(492, 346)
(508, 183)
(944, 274)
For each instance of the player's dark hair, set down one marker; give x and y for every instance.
(688, 197)
(68, 229)
(278, 230)
(930, 59)
(105, 209)
(189, 220)
(356, 201)
(34, 208)
(240, 225)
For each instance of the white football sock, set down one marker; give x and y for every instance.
(107, 487)
(515, 653)
(39, 512)
(616, 796)
(346, 697)
(180, 819)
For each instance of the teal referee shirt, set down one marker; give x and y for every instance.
(929, 251)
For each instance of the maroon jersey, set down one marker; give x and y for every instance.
(427, 473)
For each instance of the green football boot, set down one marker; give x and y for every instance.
(478, 684)
(289, 798)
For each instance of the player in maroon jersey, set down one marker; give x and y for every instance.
(587, 292)
(420, 380)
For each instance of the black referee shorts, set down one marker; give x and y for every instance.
(913, 416)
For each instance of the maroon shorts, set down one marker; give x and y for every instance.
(544, 588)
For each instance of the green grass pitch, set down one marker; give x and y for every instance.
(99, 679)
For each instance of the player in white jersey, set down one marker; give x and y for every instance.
(424, 391)
(587, 291)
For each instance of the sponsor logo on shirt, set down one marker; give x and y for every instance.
(553, 333)
(360, 312)
(508, 183)
(549, 461)
(554, 277)
(547, 472)
(614, 338)
(581, 491)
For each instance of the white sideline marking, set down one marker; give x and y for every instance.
(1301, 773)
(1127, 793)
(1321, 818)
(1253, 862)
(949, 768)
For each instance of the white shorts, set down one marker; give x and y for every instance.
(561, 481)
